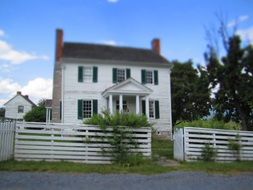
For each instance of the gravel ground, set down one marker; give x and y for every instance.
(173, 180)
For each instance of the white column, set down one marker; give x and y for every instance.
(147, 107)
(120, 103)
(110, 104)
(46, 115)
(137, 104)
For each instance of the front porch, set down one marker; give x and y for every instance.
(129, 96)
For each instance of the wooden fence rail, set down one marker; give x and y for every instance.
(190, 141)
(78, 143)
(7, 130)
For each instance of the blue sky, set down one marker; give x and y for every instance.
(27, 32)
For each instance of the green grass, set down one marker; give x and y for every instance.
(161, 148)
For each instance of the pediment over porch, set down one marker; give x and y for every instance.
(128, 87)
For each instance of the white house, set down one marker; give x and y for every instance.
(90, 78)
(18, 106)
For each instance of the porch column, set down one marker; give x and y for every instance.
(147, 107)
(137, 104)
(120, 103)
(110, 104)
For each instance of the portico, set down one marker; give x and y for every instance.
(128, 96)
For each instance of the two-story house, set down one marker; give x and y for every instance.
(18, 106)
(90, 78)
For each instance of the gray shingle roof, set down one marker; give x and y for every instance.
(107, 52)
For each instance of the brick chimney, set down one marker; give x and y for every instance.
(26, 96)
(59, 45)
(155, 45)
(18, 93)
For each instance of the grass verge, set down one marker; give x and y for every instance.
(160, 148)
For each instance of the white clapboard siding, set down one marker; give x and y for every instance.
(195, 139)
(69, 142)
(7, 130)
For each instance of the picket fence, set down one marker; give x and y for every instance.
(190, 141)
(77, 143)
(7, 130)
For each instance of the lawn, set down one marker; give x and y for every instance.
(160, 148)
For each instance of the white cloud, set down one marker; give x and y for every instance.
(8, 86)
(2, 33)
(37, 89)
(109, 42)
(112, 1)
(246, 34)
(8, 53)
(235, 22)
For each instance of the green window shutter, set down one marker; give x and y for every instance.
(143, 76)
(95, 74)
(80, 74)
(114, 75)
(80, 109)
(143, 103)
(128, 73)
(156, 77)
(157, 111)
(95, 107)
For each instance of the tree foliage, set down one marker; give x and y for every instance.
(190, 92)
(37, 114)
(232, 76)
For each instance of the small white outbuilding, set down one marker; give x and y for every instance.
(18, 106)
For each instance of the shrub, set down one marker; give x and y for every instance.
(235, 146)
(208, 153)
(118, 119)
(121, 140)
(215, 124)
(37, 114)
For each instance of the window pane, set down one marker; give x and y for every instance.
(151, 109)
(149, 77)
(87, 74)
(87, 108)
(20, 109)
(121, 75)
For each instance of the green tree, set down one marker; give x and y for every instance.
(190, 92)
(37, 114)
(232, 77)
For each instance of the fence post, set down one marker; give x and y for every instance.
(179, 144)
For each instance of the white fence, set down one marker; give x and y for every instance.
(78, 143)
(7, 130)
(190, 141)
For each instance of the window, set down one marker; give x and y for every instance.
(87, 108)
(20, 109)
(149, 77)
(151, 109)
(87, 74)
(121, 75)
(124, 105)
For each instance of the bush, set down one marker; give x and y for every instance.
(37, 114)
(214, 124)
(121, 140)
(208, 153)
(118, 119)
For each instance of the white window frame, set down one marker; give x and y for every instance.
(151, 109)
(149, 78)
(91, 109)
(118, 71)
(22, 107)
(87, 76)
